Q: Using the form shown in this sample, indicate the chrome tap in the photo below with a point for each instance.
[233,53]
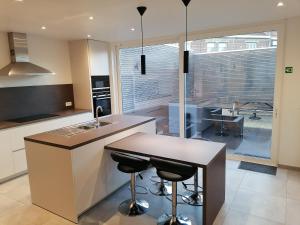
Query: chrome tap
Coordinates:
[97,114]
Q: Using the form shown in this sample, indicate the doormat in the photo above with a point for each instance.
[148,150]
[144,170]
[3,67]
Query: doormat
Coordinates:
[271,170]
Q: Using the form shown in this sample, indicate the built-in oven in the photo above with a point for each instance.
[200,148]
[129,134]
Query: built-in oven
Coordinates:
[101,95]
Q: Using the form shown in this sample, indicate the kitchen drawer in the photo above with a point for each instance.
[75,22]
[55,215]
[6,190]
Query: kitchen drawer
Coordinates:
[19,160]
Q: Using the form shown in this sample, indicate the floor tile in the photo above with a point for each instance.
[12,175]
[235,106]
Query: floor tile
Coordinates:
[20,193]
[232,164]
[7,205]
[239,218]
[16,183]
[27,215]
[234,178]
[253,203]
[264,184]
[292,212]
[293,190]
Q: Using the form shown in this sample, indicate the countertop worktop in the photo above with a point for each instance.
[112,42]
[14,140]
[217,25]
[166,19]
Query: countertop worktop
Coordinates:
[118,123]
[8,124]
[191,151]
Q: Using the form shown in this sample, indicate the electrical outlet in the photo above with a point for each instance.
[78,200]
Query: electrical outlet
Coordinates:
[68,104]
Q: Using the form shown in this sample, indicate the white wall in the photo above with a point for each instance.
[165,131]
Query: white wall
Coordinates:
[289,136]
[52,54]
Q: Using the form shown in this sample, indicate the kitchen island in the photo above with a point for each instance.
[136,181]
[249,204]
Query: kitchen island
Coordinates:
[69,170]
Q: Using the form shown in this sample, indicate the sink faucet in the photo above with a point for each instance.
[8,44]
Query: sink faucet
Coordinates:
[97,114]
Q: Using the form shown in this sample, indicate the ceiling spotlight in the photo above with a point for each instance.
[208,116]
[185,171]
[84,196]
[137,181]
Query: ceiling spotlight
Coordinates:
[91,18]
[89,35]
[43,28]
[132,29]
[280,4]
[19,0]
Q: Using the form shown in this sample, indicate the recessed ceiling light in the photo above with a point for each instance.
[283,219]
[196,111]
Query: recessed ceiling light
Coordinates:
[43,28]
[280,4]
[91,18]
[132,29]
[19,0]
[89,35]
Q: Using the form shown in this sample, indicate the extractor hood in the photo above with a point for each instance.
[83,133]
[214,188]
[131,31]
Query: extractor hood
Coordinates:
[20,63]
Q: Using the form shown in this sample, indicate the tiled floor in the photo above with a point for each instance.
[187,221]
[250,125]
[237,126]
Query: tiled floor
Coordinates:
[251,199]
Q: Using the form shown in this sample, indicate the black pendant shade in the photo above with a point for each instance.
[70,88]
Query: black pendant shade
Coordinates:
[186,62]
[186,2]
[143,64]
[186,52]
[142,10]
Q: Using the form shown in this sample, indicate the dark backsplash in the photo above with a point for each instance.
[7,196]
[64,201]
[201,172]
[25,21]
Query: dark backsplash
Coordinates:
[16,102]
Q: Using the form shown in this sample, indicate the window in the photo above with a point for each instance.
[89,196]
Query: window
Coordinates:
[274,43]
[156,93]
[251,45]
[222,47]
[211,47]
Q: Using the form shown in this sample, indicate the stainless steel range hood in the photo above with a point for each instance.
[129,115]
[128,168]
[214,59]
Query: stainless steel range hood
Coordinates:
[20,63]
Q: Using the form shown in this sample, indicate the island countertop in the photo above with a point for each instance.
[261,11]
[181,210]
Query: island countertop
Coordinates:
[117,123]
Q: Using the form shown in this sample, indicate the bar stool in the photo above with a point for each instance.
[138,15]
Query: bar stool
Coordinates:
[175,172]
[132,165]
[194,197]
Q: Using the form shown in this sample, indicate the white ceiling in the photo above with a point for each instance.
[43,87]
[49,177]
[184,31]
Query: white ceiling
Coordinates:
[69,19]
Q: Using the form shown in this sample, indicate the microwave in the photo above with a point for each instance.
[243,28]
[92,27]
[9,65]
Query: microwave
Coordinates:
[100,82]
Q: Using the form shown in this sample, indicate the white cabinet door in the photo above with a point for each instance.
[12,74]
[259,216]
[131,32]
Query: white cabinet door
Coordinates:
[19,161]
[17,138]
[99,58]
[6,163]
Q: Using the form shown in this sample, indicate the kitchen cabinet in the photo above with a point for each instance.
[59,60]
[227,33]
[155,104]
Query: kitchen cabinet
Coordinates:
[6,161]
[98,58]
[12,147]
[88,58]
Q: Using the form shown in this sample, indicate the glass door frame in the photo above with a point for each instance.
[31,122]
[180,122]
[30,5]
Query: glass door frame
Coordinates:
[278,26]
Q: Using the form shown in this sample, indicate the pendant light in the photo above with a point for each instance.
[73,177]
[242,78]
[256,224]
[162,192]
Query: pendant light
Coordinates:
[142,10]
[186,52]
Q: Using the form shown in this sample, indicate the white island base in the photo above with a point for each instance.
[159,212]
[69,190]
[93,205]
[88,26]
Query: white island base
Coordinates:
[69,182]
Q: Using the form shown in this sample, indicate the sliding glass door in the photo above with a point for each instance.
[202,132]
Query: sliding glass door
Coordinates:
[156,93]
[227,96]
[229,92]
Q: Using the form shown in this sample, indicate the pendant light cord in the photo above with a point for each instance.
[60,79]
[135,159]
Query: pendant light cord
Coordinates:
[142,35]
[186,27]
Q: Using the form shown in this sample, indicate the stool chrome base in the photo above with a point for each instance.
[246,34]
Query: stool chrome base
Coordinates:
[130,208]
[193,198]
[169,220]
[161,189]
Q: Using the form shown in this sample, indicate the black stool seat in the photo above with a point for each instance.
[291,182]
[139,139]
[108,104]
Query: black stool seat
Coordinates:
[173,171]
[129,164]
[172,176]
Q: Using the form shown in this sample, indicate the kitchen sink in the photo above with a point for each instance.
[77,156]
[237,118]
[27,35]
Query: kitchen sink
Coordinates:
[92,125]
[78,129]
